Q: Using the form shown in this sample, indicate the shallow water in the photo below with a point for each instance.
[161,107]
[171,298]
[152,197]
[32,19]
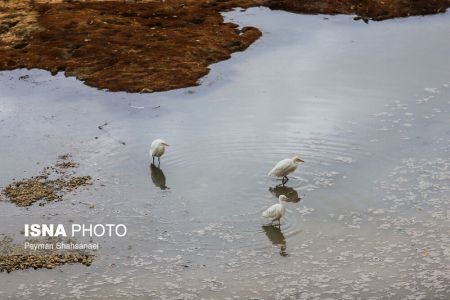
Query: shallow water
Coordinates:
[367,108]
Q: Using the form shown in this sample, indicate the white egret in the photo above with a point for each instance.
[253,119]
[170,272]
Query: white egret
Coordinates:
[157,149]
[276,211]
[285,167]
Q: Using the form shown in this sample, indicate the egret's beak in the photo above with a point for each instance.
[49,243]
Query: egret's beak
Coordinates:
[301,160]
[164,144]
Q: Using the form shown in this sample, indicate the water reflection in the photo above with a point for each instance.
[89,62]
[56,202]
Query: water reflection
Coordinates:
[158,177]
[276,237]
[289,192]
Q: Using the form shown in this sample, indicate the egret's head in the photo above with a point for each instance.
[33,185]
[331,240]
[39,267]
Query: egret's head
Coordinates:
[164,144]
[283,198]
[297,160]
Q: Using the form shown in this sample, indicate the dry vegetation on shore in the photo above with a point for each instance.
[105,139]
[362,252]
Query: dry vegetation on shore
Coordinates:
[145,46]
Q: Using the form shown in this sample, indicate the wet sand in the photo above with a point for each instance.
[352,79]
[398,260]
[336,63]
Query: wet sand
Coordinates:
[146,46]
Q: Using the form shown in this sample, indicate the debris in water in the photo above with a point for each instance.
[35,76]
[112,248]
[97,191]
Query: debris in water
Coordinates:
[103,125]
[18,257]
[50,185]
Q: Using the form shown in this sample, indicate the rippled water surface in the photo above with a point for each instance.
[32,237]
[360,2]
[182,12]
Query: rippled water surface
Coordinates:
[366,107]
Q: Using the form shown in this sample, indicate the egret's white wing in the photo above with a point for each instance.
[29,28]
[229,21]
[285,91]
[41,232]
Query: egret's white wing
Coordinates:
[282,168]
[152,148]
[155,144]
[272,212]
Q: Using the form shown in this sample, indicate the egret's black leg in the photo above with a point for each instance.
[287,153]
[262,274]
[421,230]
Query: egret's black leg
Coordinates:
[281,184]
[159,161]
[153,159]
[285,180]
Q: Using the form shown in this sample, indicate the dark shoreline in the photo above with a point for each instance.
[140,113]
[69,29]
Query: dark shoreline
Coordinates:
[140,46]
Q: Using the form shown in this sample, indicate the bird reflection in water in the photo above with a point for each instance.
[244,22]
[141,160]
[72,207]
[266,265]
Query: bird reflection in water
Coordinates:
[158,177]
[276,237]
[289,192]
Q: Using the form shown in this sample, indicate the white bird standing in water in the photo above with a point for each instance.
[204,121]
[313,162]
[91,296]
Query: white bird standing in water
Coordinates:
[285,167]
[157,149]
[276,211]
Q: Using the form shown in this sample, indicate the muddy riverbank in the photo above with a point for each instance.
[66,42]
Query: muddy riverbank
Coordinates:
[145,46]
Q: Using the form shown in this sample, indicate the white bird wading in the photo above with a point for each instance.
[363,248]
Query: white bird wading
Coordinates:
[285,167]
[276,211]
[157,149]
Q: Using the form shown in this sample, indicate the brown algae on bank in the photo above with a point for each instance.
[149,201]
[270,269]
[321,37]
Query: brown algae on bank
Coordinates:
[150,46]
[16,257]
[51,185]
